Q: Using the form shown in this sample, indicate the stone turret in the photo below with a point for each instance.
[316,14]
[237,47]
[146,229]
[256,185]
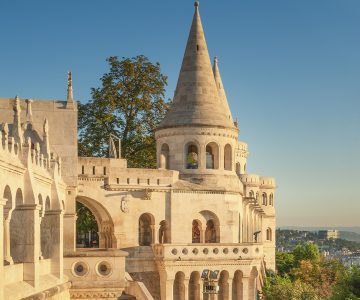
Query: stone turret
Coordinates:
[197,136]
[70,102]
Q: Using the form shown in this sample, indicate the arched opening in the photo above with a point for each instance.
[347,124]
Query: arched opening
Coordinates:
[192,156]
[228,157]
[210,232]
[179,286]
[237,285]
[164,232]
[45,229]
[223,286]
[194,286]
[197,235]
[212,156]
[253,283]
[212,227]
[17,232]
[238,168]
[146,229]
[269,234]
[7,211]
[271,200]
[95,227]
[264,199]
[251,194]
[164,157]
[86,227]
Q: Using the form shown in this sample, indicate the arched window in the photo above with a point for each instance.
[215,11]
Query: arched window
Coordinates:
[210,232]
[264,199]
[251,194]
[164,232]
[238,168]
[269,234]
[196,231]
[164,156]
[271,200]
[146,230]
[212,156]
[192,157]
[228,158]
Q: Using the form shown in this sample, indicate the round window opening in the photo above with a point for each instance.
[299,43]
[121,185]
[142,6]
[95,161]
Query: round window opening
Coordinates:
[80,269]
[104,268]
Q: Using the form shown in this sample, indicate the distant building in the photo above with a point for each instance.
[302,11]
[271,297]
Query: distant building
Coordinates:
[328,234]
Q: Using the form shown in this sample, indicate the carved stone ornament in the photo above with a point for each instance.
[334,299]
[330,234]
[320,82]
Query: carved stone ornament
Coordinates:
[147,194]
[124,205]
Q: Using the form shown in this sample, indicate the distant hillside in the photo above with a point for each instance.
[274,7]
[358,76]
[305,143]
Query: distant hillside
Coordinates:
[346,233]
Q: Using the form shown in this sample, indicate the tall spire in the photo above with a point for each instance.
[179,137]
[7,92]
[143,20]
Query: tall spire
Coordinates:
[16,130]
[220,88]
[70,96]
[196,101]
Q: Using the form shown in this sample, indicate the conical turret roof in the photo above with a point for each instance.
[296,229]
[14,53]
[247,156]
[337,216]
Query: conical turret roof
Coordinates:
[220,87]
[197,101]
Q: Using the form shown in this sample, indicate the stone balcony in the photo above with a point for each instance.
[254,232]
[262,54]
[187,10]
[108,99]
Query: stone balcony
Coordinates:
[218,251]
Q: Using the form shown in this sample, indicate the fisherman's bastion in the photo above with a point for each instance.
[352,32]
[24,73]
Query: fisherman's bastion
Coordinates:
[197,227]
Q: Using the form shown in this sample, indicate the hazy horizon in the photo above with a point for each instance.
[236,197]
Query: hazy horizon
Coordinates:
[291,70]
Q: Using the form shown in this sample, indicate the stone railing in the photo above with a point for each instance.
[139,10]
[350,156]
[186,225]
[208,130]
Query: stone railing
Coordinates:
[208,251]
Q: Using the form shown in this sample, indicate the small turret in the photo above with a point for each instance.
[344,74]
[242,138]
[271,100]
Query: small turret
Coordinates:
[16,129]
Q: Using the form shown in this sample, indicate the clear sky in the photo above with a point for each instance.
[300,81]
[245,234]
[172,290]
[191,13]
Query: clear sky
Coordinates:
[291,70]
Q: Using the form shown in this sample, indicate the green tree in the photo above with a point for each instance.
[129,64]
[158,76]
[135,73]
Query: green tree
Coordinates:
[309,251]
[129,104]
[284,262]
[348,287]
[85,221]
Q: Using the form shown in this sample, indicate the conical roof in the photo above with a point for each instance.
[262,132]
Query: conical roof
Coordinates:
[220,87]
[196,101]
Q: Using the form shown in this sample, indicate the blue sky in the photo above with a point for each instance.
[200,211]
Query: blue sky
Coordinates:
[291,70]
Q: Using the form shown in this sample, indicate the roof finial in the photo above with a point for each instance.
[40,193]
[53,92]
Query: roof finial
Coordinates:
[196,4]
[216,60]
[70,96]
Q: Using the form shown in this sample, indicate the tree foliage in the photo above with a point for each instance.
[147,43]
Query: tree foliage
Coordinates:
[348,287]
[129,104]
[305,274]
[85,221]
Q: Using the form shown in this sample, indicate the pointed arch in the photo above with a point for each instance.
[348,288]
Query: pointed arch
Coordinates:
[228,157]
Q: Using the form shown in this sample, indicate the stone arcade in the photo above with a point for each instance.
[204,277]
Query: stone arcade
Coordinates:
[158,228]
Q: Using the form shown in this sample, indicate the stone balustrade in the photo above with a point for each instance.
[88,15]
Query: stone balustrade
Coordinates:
[208,251]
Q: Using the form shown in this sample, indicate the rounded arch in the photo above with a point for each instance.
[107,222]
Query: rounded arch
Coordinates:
[42,207]
[7,195]
[194,286]
[264,199]
[212,155]
[238,168]
[253,283]
[212,231]
[146,229]
[164,232]
[104,222]
[251,194]
[179,286]
[224,285]
[268,234]
[165,156]
[237,286]
[228,157]
[47,203]
[19,199]
[197,235]
[192,155]
[271,199]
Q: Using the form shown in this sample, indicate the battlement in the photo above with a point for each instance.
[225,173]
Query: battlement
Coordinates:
[267,182]
[250,179]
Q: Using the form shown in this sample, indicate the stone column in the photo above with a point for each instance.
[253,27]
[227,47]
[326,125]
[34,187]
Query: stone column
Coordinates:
[26,233]
[2,204]
[54,247]
[6,238]
[69,232]
[186,288]
[201,289]
[230,282]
